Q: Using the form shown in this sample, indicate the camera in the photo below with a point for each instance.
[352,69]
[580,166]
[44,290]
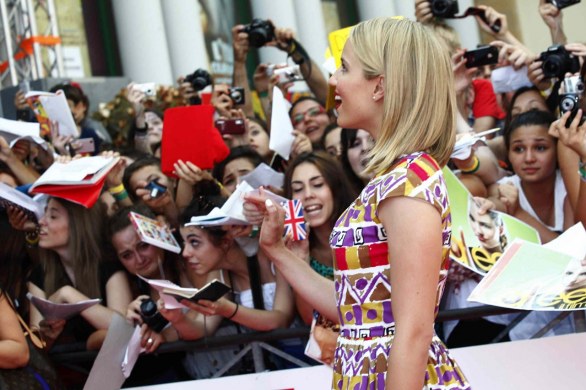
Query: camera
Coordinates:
[559,4]
[156,190]
[444,8]
[288,74]
[482,55]
[237,95]
[149,89]
[571,99]
[151,316]
[557,61]
[199,79]
[231,126]
[260,32]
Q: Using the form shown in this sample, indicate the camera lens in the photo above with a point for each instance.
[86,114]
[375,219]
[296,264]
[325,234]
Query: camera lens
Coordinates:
[148,308]
[551,66]
[439,7]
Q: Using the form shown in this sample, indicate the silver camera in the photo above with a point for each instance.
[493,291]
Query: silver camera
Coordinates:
[149,89]
[288,74]
[571,99]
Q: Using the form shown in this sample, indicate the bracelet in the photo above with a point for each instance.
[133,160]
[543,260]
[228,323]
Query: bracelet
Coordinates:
[32,238]
[473,168]
[582,170]
[117,190]
[233,314]
[120,195]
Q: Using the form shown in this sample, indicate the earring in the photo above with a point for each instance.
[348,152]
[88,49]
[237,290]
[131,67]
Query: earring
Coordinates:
[373,97]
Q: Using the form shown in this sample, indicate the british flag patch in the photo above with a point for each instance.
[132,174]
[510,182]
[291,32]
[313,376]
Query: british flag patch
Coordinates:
[294,221]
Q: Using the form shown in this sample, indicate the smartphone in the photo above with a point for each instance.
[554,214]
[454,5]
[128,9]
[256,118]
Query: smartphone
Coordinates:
[149,89]
[484,55]
[24,86]
[231,126]
[156,189]
[85,145]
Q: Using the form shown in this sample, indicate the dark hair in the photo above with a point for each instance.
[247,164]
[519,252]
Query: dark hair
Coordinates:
[329,128]
[135,166]
[529,118]
[342,192]
[260,122]
[302,99]
[72,92]
[15,262]
[202,205]
[120,221]
[348,136]
[236,153]
[519,92]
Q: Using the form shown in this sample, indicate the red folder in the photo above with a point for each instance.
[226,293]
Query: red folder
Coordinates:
[189,135]
[85,195]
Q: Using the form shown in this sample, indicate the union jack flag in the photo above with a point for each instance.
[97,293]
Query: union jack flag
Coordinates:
[294,221]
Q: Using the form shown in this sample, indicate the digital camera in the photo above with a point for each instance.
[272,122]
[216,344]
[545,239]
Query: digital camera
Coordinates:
[444,8]
[288,74]
[571,99]
[260,32]
[237,95]
[559,4]
[557,61]
[156,189]
[149,89]
[199,79]
[151,316]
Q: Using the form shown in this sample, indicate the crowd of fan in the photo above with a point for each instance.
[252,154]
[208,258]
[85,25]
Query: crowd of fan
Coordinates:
[527,170]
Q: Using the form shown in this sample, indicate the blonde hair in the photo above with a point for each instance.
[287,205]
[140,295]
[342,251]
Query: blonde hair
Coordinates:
[419,96]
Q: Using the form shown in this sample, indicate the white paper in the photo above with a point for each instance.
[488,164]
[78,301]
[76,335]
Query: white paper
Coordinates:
[74,171]
[60,311]
[463,148]
[330,65]
[159,284]
[572,242]
[106,373]
[263,175]
[18,198]
[133,350]
[282,138]
[18,129]
[57,109]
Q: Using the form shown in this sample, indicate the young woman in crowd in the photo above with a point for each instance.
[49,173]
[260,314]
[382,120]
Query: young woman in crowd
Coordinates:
[356,146]
[74,268]
[393,74]
[331,141]
[241,161]
[309,117]
[536,193]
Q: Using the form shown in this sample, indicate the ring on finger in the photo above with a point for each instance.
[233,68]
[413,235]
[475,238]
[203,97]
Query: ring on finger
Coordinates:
[150,340]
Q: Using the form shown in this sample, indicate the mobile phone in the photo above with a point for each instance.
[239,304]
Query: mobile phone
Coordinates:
[85,145]
[559,4]
[483,55]
[156,189]
[149,89]
[231,126]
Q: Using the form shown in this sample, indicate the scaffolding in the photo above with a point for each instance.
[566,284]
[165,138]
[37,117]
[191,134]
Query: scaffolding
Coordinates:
[25,53]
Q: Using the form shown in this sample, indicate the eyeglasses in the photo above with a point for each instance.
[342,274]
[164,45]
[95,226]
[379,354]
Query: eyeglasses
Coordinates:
[312,113]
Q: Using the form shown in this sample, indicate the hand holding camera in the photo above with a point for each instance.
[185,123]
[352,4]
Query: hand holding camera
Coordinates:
[240,43]
[556,61]
[571,98]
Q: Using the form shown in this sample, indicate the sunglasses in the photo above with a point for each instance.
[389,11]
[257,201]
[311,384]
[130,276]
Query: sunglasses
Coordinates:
[312,113]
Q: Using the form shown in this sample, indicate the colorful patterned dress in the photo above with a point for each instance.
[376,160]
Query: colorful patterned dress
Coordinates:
[362,280]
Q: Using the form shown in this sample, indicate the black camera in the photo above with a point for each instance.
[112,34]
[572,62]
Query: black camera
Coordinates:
[559,4]
[151,316]
[199,79]
[571,99]
[557,61]
[156,189]
[237,95]
[260,32]
[444,8]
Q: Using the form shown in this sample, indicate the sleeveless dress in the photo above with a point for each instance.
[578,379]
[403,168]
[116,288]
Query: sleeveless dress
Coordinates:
[362,280]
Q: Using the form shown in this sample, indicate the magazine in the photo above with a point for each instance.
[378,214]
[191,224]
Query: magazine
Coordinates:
[212,291]
[13,131]
[48,107]
[154,232]
[12,197]
[78,181]
[530,276]
[479,240]
[60,311]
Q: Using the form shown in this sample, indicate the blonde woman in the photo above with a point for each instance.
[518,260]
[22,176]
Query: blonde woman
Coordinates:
[396,83]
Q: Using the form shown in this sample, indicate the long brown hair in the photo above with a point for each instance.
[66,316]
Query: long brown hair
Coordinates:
[86,238]
[342,191]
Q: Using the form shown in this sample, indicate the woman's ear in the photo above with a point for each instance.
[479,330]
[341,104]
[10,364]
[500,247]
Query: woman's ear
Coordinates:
[379,89]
